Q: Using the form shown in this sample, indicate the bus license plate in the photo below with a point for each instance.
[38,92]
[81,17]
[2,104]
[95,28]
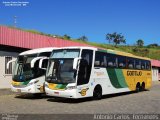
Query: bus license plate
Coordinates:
[18,90]
[57,93]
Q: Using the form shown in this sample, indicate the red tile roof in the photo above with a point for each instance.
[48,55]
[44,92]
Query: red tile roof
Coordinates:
[23,39]
[155,63]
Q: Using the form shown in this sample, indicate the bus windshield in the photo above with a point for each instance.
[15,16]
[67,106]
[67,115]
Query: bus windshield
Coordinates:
[60,67]
[23,71]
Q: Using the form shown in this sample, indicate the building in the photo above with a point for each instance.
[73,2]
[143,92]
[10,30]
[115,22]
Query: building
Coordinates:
[155,70]
[13,41]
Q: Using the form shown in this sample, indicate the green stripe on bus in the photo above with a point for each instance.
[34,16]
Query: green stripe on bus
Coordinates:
[113,77]
[26,82]
[121,78]
[58,86]
[63,86]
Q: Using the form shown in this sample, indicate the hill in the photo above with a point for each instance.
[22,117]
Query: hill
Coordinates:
[145,51]
[152,52]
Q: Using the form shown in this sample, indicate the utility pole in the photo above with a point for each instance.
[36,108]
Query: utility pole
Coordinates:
[15,21]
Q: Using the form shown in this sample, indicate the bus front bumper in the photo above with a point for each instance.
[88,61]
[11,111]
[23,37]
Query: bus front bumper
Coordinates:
[61,93]
[27,89]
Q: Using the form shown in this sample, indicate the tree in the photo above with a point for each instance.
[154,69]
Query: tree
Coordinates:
[115,38]
[140,42]
[66,37]
[83,38]
[153,45]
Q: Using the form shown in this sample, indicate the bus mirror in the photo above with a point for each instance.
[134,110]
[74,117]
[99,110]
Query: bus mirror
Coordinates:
[75,62]
[34,61]
[43,63]
[10,62]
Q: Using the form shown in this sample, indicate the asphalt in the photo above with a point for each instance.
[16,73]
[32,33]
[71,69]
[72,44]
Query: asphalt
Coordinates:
[27,107]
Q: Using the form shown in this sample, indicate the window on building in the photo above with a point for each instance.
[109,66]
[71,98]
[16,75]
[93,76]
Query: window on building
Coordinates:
[8,71]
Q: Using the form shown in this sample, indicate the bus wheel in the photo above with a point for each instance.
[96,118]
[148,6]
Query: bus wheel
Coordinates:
[97,93]
[143,86]
[138,87]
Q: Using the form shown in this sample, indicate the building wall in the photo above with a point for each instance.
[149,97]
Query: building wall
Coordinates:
[155,74]
[5,79]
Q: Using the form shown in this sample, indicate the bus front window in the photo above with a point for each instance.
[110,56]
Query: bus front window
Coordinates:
[23,70]
[60,68]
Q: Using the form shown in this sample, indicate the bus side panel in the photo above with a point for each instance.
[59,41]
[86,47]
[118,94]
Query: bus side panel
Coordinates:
[135,76]
[101,77]
[114,81]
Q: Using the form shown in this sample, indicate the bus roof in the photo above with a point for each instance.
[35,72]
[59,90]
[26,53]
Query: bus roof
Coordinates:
[78,47]
[123,53]
[107,51]
[38,50]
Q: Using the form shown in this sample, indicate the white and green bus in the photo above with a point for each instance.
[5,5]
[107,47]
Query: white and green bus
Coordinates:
[78,72]
[28,77]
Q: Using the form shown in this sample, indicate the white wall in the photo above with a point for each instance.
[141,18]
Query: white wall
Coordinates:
[5,79]
[155,76]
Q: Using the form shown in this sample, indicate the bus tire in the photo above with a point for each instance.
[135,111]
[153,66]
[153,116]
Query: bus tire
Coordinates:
[97,93]
[143,87]
[138,87]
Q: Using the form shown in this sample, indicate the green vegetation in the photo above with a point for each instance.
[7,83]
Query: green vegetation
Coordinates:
[83,38]
[151,51]
[140,42]
[116,38]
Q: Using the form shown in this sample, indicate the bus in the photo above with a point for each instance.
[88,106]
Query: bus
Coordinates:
[78,72]
[28,77]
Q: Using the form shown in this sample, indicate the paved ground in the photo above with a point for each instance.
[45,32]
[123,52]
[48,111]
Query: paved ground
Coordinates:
[143,102]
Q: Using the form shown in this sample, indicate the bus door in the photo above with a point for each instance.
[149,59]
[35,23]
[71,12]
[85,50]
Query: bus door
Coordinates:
[85,67]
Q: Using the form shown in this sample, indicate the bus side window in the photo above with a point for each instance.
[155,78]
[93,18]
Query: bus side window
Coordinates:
[110,64]
[138,64]
[148,65]
[121,61]
[100,59]
[105,61]
[130,63]
[111,60]
[97,63]
[143,64]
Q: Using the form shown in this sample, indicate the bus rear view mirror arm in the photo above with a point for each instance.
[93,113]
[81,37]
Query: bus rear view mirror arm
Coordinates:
[10,62]
[34,61]
[41,63]
[75,63]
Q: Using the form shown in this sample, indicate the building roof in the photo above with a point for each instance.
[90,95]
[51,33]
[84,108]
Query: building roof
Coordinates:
[155,63]
[22,39]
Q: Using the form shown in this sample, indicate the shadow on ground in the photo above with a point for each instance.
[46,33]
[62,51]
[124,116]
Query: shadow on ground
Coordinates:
[32,96]
[89,99]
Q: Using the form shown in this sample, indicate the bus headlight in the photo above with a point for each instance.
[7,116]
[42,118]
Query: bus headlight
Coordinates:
[31,83]
[70,87]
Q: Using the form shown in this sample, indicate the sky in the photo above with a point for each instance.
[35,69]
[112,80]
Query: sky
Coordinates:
[135,19]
